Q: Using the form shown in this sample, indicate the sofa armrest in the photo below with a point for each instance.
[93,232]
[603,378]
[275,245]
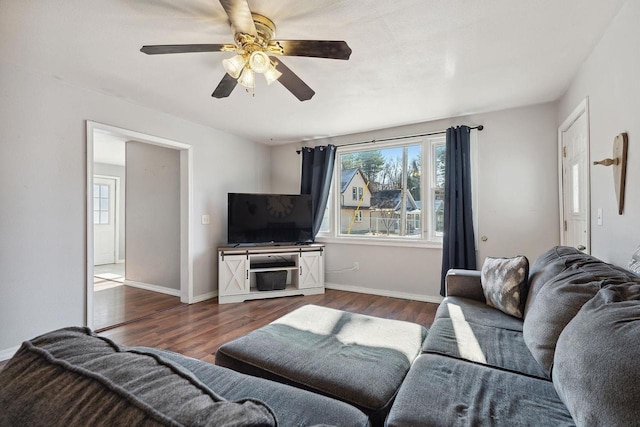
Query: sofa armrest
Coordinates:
[464,283]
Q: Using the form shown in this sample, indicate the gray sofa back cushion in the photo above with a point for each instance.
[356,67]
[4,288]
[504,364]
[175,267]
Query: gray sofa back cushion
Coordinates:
[597,361]
[71,377]
[560,299]
[556,304]
[547,266]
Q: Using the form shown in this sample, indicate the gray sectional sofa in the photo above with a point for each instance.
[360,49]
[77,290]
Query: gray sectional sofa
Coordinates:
[574,359]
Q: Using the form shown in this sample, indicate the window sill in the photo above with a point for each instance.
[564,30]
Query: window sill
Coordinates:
[423,244]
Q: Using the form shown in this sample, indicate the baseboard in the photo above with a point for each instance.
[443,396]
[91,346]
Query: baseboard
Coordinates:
[154,288]
[204,297]
[8,353]
[384,293]
[120,261]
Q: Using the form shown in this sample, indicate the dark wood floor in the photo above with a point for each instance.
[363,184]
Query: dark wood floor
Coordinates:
[198,330]
[122,304]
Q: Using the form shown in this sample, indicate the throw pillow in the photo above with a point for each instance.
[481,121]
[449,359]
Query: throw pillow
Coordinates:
[634,264]
[505,283]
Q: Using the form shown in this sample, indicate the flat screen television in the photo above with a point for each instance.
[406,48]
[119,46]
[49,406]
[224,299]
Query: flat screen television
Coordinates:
[269,218]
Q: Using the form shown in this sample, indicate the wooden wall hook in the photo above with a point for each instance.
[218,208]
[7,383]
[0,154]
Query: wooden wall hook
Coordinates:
[619,163]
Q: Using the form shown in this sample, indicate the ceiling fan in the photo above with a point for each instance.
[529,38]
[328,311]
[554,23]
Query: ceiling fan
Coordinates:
[257,51]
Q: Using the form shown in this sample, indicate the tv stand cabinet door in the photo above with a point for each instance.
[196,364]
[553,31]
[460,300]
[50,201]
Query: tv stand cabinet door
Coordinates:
[311,270]
[233,275]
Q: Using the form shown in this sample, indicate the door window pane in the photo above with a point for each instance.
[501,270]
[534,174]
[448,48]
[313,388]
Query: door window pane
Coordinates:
[100,204]
[575,173]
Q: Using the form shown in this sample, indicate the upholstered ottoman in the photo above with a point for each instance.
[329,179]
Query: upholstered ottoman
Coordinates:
[361,360]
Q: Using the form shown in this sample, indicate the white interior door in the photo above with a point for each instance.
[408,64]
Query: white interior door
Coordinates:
[575,184]
[104,227]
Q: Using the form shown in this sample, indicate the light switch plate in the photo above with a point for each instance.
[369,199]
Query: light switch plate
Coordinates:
[599,218]
[205,220]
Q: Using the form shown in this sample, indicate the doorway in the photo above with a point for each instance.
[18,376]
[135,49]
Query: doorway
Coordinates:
[105,249]
[574,177]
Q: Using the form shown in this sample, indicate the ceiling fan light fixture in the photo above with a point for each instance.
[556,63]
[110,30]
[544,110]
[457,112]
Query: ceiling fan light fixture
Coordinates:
[271,75]
[233,66]
[247,78]
[259,61]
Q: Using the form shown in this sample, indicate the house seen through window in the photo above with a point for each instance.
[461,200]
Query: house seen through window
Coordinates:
[392,191]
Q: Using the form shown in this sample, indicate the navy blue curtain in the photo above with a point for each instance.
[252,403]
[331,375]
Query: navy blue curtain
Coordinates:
[317,170]
[458,247]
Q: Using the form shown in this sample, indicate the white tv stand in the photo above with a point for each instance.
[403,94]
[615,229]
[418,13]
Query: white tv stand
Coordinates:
[237,268]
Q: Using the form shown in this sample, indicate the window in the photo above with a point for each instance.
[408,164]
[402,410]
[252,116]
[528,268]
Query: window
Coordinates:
[439,153]
[100,204]
[399,188]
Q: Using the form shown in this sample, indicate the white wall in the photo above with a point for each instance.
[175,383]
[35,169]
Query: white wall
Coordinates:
[43,202]
[518,202]
[610,78]
[153,215]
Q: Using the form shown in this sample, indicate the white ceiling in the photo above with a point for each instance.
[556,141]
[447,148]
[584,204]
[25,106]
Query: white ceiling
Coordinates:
[412,60]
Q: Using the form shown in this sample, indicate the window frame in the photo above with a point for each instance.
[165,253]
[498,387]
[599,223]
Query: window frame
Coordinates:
[434,143]
[428,237]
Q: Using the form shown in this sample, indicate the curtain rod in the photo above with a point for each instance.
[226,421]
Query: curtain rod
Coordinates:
[373,141]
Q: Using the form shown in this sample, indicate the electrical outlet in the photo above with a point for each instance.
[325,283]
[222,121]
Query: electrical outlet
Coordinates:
[206,220]
[356,266]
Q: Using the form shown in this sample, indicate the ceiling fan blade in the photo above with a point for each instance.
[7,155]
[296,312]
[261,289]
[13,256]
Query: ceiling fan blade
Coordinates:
[315,48]
[293,83]
[240,16]
[182,48]
[225,87]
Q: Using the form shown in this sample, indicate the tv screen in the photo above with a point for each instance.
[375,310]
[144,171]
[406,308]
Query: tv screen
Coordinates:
[269,218]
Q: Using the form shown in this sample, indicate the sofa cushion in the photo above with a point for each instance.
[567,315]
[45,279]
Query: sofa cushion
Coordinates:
[72,377]
[505,283]
[358,359]
[547,266]
[441,391]
[487,345]
[555,261]
[560,299]
[292,406]
[476,312]
[597,361]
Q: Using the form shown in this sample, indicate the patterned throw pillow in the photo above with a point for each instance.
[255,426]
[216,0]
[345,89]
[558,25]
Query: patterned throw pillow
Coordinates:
[505,283]
[634,264]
